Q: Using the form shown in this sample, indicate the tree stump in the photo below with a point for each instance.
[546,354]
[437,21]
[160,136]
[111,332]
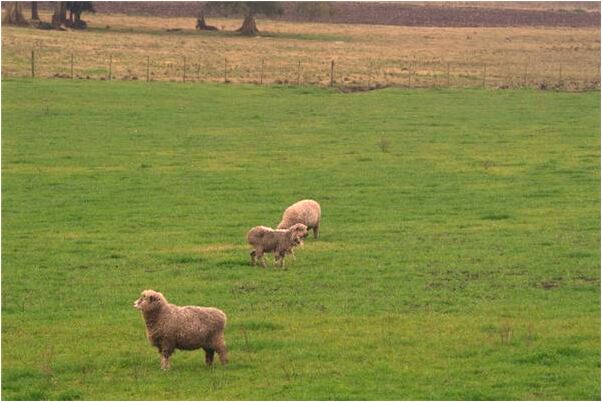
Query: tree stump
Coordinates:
[249,28]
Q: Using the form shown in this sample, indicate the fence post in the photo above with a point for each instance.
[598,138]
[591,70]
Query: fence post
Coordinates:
[299,74]
[198,71]
[370,74]
[332,73]
[525,76]
[147,68]
[448,74]
[484,74]
[33,65]
[560,74]
[71,65]
[110,66]
[433,73]
[225,70]
[410,74]
[261,75]
[184,70]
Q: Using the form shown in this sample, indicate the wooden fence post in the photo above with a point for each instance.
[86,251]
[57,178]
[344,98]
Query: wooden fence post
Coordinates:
[299,74]
[560,74]
[147,68]
[332,73]
[370,74]
[448,74]
[71,65]
[484,74]
[110,66]
[410,74]
[525,76]
[434,75]
[225,70]
[261,74]
[33,65]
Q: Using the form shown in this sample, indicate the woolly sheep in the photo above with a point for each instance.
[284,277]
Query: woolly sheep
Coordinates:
[279,241]
[170,327]
[306,212]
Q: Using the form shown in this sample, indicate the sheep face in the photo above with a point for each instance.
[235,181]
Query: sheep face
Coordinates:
[298,231]
[149,300]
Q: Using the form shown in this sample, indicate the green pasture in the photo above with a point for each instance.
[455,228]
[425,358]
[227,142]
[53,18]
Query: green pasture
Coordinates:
[459,255]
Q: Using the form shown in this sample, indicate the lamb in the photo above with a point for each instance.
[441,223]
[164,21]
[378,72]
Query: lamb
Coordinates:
[170,327]
[306,212]
[280,242]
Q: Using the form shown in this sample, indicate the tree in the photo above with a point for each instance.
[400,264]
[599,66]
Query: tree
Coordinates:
[13,14]
[34,11]
[201,24]
[249,9]
[76,8]
[59,17]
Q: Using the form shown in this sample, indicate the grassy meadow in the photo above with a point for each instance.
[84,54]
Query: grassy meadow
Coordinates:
[459,255]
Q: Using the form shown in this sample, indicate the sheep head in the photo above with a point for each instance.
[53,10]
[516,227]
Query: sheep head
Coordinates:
[297,232]
[149,300]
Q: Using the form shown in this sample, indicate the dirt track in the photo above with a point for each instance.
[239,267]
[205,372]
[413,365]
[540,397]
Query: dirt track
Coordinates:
[403,14]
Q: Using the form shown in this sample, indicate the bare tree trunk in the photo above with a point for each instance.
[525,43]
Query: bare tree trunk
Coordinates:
[249,27]
[13,14]
[60,14]
[202,25]
[34,11]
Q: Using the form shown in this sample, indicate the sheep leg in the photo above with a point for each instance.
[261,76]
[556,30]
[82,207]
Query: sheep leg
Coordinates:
[222,350]
[280,258]
[316,231]
[165,360]
[257,255]
[209,353]
[261,257]
[223,356]
[166,353]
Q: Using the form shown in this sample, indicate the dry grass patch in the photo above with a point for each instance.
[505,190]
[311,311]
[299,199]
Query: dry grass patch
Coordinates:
[203,249]
[302,52]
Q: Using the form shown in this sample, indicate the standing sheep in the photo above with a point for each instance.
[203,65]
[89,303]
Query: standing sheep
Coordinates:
[279,241]
[306,212]
[169,327]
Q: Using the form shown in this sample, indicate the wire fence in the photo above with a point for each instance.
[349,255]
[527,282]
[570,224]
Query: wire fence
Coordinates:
[406,71]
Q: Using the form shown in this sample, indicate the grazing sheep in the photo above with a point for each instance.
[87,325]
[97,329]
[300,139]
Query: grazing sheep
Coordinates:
[306,212]
[169,327]
[279,241]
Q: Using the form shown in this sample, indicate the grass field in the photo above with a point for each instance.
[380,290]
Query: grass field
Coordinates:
[568,58]
[459,255]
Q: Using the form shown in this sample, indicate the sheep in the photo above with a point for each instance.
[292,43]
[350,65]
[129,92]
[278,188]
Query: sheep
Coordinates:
[279,241]
[170,327]
[306,212]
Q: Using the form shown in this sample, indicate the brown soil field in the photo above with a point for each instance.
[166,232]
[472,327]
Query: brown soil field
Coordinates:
[438,14]
[301,53]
